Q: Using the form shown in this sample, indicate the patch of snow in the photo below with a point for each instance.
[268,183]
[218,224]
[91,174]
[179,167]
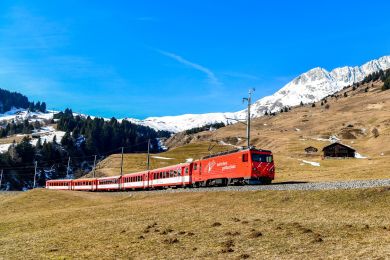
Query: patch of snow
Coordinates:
[161,158]
[161,145]
[317,164]
[4,147]
[297,129]
[189,160]
[224,143]
[359,156]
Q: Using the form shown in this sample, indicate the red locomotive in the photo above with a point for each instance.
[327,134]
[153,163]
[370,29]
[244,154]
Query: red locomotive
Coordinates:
[241,166]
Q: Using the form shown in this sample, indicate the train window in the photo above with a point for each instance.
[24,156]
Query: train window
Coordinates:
[186,170]
[195,166]
[245,157]
[262,158]
[179,172]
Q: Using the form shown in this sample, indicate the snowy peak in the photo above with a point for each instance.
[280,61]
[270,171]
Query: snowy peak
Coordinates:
[315,74]
[316,84]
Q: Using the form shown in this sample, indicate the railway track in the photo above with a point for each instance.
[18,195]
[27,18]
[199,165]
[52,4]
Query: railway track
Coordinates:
[356,184]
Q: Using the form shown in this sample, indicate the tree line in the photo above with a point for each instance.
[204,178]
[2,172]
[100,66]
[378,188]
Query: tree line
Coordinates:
[9,99]
[99,136]
[205,128]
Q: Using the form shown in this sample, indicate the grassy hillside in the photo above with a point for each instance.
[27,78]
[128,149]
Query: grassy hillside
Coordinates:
[351,118]
[269,224]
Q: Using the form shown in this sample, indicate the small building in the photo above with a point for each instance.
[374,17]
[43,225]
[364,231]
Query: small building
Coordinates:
[311,150]
[339,151]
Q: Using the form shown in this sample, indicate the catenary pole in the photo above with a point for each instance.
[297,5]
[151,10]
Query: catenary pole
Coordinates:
[94,167]
[67,168]
[1,177]
[248,122]
[35,174]
[148,158]
[122,163]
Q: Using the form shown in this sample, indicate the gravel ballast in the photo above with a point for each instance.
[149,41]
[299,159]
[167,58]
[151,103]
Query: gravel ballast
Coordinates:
[357,184]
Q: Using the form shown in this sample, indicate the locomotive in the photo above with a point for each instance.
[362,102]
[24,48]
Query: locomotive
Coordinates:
[235,167]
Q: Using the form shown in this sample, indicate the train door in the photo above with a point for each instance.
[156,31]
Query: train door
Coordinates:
[181,173]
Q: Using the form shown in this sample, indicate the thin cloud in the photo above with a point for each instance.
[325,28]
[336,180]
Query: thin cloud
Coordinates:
[210,75]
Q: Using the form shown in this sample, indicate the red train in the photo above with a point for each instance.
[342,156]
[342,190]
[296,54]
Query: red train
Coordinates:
[242,166]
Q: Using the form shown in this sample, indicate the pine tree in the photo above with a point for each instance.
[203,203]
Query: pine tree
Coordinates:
[301,104]
[386,84]
[43,107]
[37,106]
[313,105]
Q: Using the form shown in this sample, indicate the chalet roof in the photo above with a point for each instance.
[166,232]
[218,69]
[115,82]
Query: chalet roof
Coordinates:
[334,144]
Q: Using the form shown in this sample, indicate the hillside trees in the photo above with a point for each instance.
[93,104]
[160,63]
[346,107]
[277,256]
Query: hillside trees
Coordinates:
[205,128]
[386,84]
[102,136]
[9,99]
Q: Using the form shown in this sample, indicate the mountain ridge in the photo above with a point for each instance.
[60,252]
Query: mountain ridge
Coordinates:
[308,87]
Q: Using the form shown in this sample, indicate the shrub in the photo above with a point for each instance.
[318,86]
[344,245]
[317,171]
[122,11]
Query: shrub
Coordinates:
[375,132]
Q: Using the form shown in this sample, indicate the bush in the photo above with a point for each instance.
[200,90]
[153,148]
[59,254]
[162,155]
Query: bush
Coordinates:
[375,132]
[327,106]
[386,85]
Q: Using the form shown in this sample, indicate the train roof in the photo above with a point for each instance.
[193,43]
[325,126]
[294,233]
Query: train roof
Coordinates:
[58,180]
[109,177]
[171,166]
[235,151]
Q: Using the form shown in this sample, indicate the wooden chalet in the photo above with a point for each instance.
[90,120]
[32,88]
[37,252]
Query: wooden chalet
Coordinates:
[337,150]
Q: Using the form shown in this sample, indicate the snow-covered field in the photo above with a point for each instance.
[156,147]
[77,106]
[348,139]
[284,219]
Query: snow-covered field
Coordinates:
[317,164]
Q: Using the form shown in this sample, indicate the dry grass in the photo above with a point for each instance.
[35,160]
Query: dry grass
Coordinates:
[278,224]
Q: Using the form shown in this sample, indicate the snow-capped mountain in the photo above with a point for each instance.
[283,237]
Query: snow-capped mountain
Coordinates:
[308,87]
[316,84]
[183,122]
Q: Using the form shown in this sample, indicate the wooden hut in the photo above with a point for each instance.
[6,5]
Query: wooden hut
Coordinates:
[311,150]
[339,151]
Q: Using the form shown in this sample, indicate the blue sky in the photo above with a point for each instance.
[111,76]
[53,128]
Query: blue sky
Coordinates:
[155,58]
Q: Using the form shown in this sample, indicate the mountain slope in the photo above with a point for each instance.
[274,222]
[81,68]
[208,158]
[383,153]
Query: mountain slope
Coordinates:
[309,87]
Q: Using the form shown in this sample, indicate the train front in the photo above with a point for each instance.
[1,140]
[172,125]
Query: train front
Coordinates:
[263,167]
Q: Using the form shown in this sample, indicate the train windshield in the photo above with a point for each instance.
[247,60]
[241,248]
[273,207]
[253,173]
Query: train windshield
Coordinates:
[262,158]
